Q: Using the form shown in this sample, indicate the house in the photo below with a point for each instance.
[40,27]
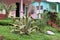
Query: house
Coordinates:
[22,6]
[45,5]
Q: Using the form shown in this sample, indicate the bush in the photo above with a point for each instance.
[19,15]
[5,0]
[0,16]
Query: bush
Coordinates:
[58,19]
[41,24]
[5,22]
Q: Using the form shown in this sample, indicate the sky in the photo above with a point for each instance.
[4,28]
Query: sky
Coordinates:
[54,0]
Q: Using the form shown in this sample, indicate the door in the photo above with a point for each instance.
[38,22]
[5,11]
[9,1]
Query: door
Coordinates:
[17,9]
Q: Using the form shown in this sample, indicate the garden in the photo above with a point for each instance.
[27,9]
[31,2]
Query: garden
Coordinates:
[17,29]
[46,28]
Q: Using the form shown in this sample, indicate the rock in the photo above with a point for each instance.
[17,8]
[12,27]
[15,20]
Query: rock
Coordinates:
[50,32]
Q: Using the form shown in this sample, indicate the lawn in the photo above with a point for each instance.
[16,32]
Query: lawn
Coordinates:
[5,31]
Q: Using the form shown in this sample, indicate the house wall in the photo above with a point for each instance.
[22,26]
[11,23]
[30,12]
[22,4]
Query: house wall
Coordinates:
[47,5]
[44,4]
[8,3]
[53,7]
[57,8]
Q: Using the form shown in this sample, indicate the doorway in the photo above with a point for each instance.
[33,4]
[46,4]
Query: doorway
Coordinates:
[17,9]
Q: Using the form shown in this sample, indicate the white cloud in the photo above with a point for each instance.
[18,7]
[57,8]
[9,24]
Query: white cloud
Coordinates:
[53,0]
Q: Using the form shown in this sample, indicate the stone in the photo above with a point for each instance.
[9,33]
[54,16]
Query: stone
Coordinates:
[50,32]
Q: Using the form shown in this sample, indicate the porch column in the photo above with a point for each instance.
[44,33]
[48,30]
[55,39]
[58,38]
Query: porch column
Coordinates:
[57,8]
[39,15]
[39,11]
[21,9]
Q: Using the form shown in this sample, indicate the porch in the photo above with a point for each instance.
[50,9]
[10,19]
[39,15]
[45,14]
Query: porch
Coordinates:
[54,7]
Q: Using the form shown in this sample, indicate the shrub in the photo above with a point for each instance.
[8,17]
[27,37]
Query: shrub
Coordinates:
[5,22]
[41,24]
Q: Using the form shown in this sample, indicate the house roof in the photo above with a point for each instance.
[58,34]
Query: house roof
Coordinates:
[52,2]
[14,1]
[25,1]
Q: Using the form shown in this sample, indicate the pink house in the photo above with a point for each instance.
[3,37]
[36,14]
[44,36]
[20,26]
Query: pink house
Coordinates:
[22,7]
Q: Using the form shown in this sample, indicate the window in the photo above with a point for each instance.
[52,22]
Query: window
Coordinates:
[41,7]
[37,7]
[53,6]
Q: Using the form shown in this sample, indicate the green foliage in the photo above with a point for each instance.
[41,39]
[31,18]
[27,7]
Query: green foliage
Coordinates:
[2,6]
[41,24]
[58,16]
[12,7]
[5,22]
[5,31]
[45,16]
[58,19]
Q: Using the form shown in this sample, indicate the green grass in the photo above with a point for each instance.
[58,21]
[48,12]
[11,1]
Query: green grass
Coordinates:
[5,31]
